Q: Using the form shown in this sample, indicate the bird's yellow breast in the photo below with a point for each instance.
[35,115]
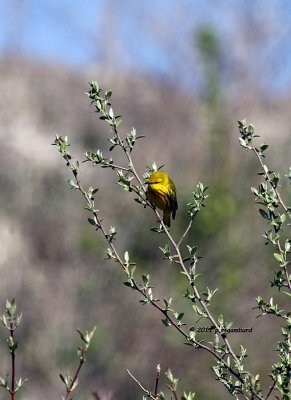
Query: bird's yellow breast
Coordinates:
[158,194]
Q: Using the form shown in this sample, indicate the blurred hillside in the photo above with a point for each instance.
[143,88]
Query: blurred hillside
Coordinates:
[52,261]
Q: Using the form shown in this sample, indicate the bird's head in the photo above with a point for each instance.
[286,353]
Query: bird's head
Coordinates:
[158,177]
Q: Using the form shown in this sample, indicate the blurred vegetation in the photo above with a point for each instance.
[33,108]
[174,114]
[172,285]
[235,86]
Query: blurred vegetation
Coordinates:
[53,263]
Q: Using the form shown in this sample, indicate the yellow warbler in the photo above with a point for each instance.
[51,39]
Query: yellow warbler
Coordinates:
[162,193]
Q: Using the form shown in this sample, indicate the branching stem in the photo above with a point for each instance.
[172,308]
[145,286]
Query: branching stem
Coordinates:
[136,287]
[281,202]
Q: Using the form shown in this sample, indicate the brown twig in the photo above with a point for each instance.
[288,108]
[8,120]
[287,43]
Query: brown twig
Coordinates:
[12,389]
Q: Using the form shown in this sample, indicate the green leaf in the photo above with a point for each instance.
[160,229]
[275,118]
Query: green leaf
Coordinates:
[166,322]
[255,191]
[167,303]
[263,146]
[126,257]
[242,142]
[73,184]
[283,218]
[264,214]
[180,316]
[145,279]
[287,245]
[278,257]
[63,379]
[108,94]
[111,114]
[251,129]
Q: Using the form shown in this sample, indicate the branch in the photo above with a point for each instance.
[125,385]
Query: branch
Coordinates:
[281,202]
[148,392]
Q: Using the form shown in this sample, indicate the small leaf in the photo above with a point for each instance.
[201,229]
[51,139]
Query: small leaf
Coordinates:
[126,257]
[111,115]
[242,142]
[180,316]
[278,257]
[263,147]
[63,378]
[263,213]
[73,184]
[166,322]
[145,279]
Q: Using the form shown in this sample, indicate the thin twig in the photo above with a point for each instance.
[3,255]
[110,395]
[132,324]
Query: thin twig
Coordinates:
[148,392]
[186,232]
[70,387]
[175,394]
[12,390]
[157,382]
[271,389]
[107,165]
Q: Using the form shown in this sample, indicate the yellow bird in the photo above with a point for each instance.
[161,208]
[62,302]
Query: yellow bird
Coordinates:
[161,192]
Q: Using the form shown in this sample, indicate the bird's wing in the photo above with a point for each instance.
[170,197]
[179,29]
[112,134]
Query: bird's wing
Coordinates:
[173,203]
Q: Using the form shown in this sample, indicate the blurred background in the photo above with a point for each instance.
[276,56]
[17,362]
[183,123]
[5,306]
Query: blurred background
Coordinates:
[182,73]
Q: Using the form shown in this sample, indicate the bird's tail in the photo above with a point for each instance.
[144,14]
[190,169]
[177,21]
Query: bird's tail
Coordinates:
[167,218]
